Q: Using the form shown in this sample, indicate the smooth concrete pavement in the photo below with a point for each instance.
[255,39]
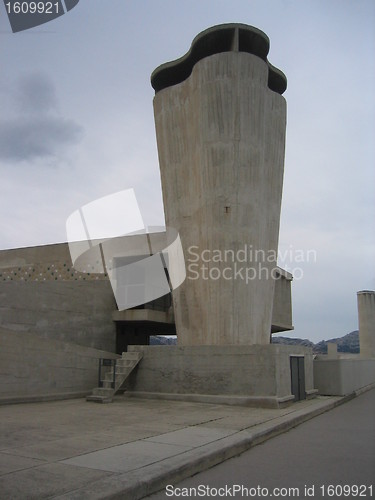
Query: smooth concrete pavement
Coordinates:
[130,448]
[336,448]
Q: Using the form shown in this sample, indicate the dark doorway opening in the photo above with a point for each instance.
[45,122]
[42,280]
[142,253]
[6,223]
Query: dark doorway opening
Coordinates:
[128,334]
[139,332]
[297,374]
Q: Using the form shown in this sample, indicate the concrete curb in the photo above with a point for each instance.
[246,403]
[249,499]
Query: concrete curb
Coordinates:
[137,484]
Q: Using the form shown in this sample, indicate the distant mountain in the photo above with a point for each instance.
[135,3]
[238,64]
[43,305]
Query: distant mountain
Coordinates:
[347,343]
[160,340]
[289,341]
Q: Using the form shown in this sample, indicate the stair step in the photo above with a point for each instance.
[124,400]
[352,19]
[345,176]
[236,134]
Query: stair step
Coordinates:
[99,399]
[130,360]
[107,385]
[127,364]
[119,376]
[103,391]
[120,370]
[131,355]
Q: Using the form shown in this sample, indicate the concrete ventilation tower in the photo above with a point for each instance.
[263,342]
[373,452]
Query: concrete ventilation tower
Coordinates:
[366,320]
[220,125]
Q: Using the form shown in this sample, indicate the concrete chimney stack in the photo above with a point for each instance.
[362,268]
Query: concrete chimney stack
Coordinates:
[366,321]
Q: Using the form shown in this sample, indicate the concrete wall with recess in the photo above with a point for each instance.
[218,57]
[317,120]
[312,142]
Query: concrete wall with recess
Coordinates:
[339,377]
[221,140]
[258,372]
[366,321]
[32,368]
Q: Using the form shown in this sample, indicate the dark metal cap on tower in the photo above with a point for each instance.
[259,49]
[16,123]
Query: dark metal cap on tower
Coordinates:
[232,37]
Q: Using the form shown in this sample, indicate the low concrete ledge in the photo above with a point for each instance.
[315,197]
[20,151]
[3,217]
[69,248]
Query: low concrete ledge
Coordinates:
[251,401]
[40,398]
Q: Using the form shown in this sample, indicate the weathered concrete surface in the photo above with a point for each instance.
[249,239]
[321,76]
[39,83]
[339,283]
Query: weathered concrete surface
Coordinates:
[221,140]
[33,368]
[253,375]
[366,320]
[343,375]
[129,449]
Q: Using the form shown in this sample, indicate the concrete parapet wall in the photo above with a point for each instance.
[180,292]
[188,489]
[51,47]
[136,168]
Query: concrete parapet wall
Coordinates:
[33,368]
[259,373]
[77,312]
[42,263]
[339,377]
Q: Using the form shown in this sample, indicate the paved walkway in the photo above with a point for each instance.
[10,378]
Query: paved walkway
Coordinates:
[130,448]
[318,457]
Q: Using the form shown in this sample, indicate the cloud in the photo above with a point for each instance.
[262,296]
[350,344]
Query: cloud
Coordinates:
[29,139]
[35,93]
[36,129]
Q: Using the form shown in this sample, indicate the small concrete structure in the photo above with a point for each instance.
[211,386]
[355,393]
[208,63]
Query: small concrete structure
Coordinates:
[254,375]
[332,349]
[341,374]
[366,321]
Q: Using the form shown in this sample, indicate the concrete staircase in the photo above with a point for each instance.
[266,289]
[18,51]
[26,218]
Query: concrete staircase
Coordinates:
[124,366]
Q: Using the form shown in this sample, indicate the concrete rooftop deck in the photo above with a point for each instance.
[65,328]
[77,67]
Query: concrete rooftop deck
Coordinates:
[128,449]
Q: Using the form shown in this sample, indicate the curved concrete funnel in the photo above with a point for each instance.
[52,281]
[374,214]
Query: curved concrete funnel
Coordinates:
[220,125]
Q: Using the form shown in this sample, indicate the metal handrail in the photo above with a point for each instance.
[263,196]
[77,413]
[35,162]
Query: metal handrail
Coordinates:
[107,362]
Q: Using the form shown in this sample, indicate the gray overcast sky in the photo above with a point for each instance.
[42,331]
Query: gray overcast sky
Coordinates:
[76,124]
